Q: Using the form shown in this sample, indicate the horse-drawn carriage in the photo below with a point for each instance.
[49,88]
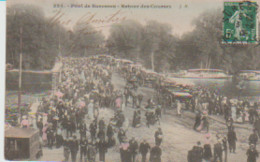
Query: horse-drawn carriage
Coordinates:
[176,91]
[152,117]
[132,82]
[150,78]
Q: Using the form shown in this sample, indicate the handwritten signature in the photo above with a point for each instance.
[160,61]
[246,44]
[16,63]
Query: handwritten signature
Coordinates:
[89,18]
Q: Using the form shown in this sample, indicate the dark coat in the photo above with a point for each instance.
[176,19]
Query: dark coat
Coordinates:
[207,152]
[252,155]
[232,137]
[74,146]
[253,138]
[83,145]
[155,154]
[144,148]
[102,146]
[133,146]
[110,131]
[218,149]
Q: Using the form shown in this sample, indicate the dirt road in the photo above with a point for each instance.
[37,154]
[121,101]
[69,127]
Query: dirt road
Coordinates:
[179,137]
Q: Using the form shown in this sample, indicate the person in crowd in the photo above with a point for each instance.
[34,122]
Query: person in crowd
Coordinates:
[135,119]
[155,154]
[125,153]
[133,146]
[148,118]
[83,148]
[232,138]
[118,102]
[25,122]
[158,135]
[195,154]
[144,149]
[253,113]
[158,112]
[66,149]
[179,108]
[110,131]
[126,94]
[50,136]
[218,151]
[207,154]
[101,124]
[39,125]
[93,130]
[91,152]
[82,129]
[91,110]
[102,149]
[59,138]
[69,128]
[74,147]
[134,99]
[197,120]
[121,134]
[101,134]
[198,152]
[257,126]
[225,149]
[140,99]
[253,138]
[230,122]
[190,155]
[44,134]
[252,154]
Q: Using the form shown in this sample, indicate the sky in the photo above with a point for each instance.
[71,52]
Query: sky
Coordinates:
[178,16]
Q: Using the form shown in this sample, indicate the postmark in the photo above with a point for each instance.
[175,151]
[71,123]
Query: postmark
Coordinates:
[240,24]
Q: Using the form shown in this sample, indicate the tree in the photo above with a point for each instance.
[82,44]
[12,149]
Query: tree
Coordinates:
[130,40]
[39,40]
[124,39]
[85,40]
[158,42]
[203,47]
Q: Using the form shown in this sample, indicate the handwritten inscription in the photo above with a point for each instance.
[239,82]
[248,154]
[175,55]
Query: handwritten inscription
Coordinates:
[88,18]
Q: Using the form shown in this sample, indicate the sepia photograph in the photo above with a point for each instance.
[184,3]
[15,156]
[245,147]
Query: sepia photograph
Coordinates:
[132,81]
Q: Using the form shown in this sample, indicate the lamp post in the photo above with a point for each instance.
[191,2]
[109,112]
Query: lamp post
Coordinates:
[20,75]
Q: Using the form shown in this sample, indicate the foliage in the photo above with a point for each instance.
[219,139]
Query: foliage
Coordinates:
[200,48]
[125,38]
[129,39]
[43,39]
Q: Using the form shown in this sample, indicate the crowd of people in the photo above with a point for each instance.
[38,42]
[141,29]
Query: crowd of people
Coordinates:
[205,102]
[76,121]
[76,116]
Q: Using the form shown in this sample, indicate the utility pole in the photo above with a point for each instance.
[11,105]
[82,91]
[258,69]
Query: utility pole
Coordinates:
[154,48]
[20,75]
[60,58]
[152,60]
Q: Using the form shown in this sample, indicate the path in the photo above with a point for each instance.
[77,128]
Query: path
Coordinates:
[179,137]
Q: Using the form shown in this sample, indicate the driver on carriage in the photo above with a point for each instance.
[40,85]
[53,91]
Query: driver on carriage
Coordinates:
[150,114]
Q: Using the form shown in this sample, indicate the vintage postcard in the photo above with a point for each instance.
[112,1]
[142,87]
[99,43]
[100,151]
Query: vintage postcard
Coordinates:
[132,81]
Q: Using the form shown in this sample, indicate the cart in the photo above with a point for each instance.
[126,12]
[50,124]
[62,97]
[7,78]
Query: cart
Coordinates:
[22,144]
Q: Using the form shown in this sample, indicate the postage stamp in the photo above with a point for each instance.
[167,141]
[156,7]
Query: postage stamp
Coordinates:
[240,22]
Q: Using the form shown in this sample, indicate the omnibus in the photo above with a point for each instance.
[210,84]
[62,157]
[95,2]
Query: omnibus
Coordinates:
[204,74]
[250,75]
